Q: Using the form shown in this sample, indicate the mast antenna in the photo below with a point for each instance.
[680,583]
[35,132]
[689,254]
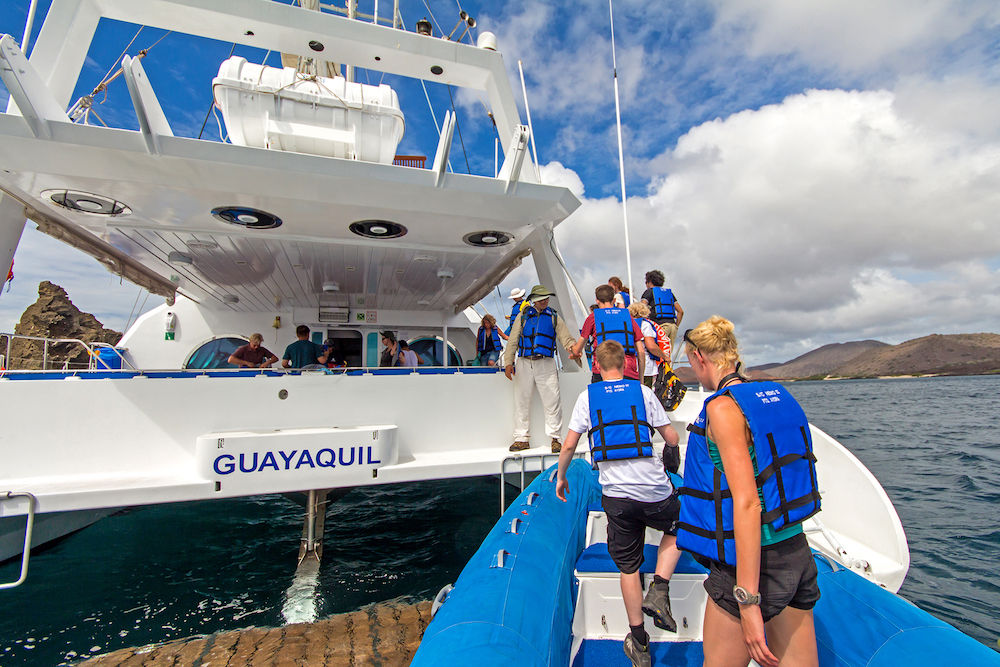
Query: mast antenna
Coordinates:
[621,158]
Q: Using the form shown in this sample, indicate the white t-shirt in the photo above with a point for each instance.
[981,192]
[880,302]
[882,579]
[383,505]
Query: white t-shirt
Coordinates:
[647,330]
[410,358]
[639,479]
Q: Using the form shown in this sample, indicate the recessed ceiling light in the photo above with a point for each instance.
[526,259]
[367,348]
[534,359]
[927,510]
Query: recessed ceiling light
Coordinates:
[87,202]
[202,244]
[241,262]
[488,239]
[424,258]
[176,257]
[331,286]
[377,229]
[423,302]
[230,298]
[247,217]
[350,268]
[445,273]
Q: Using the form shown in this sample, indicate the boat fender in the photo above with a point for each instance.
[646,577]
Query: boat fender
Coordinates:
[441,598]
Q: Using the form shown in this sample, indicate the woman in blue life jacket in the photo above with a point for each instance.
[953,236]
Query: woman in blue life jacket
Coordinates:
[488,345]
[762,577]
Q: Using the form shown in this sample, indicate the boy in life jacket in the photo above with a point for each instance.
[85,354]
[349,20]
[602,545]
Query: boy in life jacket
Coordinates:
[620,415]
[609,323]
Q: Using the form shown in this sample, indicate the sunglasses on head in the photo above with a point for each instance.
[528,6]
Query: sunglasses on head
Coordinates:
[687,339]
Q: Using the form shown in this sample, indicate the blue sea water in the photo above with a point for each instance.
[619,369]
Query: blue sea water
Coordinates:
[170,571]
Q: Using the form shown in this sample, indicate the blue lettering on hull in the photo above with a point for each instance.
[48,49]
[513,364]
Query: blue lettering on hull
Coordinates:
[226,464]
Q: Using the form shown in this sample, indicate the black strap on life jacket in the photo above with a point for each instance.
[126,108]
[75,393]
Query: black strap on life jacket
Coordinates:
[697,430]
[606,333]
[774,469]
[717,495]
[603,447]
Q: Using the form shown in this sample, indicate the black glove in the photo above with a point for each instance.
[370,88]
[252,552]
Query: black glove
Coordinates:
[671,458]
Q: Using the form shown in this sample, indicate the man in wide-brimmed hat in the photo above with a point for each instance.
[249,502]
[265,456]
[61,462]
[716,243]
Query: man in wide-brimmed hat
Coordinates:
[537,329]
[517,296]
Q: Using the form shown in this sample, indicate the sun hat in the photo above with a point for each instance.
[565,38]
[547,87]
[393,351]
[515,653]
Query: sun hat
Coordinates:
[539,292]
[517,293]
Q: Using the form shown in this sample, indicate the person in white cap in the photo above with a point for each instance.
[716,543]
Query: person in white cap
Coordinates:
[517,296]
[537,329]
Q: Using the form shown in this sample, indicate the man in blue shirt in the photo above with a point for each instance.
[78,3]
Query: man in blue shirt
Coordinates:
[302,352]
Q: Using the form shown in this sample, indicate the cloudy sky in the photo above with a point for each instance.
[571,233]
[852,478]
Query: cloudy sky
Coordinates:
[817,172]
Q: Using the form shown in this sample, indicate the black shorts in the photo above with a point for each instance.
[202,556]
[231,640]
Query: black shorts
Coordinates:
[627,522]
[787,579]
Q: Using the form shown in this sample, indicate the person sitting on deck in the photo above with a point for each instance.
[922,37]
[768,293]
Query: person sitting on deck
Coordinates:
[303,352]
[253,354]
[610,323]
[619,416]
[488,345]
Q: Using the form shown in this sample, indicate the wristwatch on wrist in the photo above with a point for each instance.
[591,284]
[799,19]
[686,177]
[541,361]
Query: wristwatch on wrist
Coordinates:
[745,597]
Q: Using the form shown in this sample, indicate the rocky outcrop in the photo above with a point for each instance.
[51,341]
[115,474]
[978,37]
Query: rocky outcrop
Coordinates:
[55,316]
[387,633]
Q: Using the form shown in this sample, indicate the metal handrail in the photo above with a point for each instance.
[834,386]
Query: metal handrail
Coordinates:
[28,527]
[523,459]
[93,357]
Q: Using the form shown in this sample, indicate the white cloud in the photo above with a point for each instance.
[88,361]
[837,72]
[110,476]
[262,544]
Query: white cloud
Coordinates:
[858,35]
[828,217]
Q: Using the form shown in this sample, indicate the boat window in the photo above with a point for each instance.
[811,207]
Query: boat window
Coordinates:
[214,353]
[430,349]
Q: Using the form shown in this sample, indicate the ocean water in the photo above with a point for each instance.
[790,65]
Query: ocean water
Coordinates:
[164,572]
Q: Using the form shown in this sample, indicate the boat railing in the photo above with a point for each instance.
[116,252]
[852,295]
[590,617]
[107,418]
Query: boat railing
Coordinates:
[94,359]
[523,464]
[131,371]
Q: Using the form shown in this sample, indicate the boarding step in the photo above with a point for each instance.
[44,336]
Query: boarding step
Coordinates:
[600,612]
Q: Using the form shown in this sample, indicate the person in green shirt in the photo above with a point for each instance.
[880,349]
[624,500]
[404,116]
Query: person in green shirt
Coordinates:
[303,352]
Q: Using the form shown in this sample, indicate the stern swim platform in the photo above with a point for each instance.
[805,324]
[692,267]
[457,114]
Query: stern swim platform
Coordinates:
[143,437]
[515,610]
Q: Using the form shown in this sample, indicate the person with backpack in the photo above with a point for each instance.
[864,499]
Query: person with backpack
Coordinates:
[663,306]
[654,355]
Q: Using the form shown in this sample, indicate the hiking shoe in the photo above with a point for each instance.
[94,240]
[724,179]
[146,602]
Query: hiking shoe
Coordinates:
[656,604]
[636,652]
[519,445]
[556,446]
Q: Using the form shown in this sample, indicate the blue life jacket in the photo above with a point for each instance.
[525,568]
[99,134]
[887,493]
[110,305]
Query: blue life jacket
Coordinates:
[783,458]
[662,307]
[481,339]
[538,333]
[618,426]
[514,310]
[626,298]
[614,324]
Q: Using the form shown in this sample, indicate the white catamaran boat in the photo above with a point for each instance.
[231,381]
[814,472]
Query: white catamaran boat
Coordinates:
[308,216]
